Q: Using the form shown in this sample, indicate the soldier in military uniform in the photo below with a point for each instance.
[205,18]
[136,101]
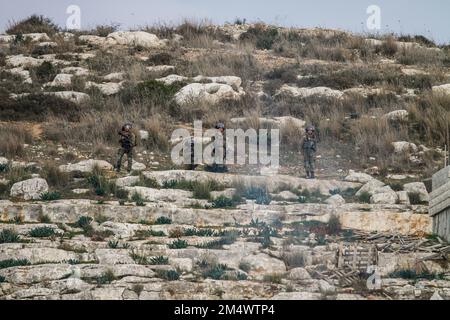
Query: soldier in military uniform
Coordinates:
[127,142]
[309,147]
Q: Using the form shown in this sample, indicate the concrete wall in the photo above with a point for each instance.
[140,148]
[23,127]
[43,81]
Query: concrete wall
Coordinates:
[440,203]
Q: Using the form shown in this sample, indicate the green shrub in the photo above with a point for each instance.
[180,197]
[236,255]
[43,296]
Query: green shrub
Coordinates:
[33,24]
[84,222]
[4,167]
[414,275]
[150,90]
[215,272]
[45,72]
[260,195]
[14,263]
[178,184]
[163,220]
[263,36]
[334,225]
[43,218]
[113,244]
[106,278]
[414,198]
[149,233]
[169,275]
[42,232]
[202,191]
[160,260]
[50,196]
[273,278]
[2,279]
[101,184]
[9,236]
[223,202]
[364,197]
[178,244]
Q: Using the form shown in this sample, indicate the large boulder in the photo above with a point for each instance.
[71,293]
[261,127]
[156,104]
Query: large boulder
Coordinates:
[370,187]
[360,177]
[299,274]
[417,188]
[75,97]
[160,71]
[108,88]
[61,80]
[397,115]
[335,200]
[153,195]
[172,78]
[276,122]
[295,92]
[404,147]
[31,189]
[233,81]
[262,263]
[136,38]
[209,93]
[25,74]
[384,198]
[442,89]
[23,61]
[86,166]
[77,71]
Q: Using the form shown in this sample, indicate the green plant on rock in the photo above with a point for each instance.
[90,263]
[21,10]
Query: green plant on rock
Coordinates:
[178,244]
[215,272]
[163,220]
[364,197]
[9,236]
[160,260]
[50,196]
[42,232]
[169,275]
[84,222]
[14,263]
[106,278]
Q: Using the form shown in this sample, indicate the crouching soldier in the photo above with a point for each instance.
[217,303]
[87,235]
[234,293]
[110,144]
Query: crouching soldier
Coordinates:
[309,147]
[127,142]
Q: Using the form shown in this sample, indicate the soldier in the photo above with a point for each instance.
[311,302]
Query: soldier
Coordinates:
[220,167]
[128,142]
[309,146]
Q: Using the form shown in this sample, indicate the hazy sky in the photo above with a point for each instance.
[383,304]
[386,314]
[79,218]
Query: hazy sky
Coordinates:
[429,18]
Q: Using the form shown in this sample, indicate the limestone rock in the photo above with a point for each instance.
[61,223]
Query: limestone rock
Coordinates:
[419,188]
[31,189]
[210,93]
[150,194]
[335,200]
[127,181]
[360,177]
[172,78]
[442,89]
[23,61]
[137,38]
[115,76]
[370,187]
[296,92]
[76,97]
[384,197]
[397,115]
[77,71]
[86,166]
[108,89]
[61,80]
[264,264]
[160,71]
[299,274]
[404,147]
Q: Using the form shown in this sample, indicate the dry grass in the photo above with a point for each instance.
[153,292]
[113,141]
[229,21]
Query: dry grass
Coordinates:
[32,24]
[159,132]
[420,56]
[13,138]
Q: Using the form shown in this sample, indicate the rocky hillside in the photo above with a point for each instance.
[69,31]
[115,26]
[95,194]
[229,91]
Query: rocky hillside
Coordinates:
[72,228]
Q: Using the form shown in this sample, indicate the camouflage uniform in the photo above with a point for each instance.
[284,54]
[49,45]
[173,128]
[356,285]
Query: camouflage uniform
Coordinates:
[128,142]
[309,145]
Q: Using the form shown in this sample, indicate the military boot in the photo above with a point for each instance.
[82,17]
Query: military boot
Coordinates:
[312,175]
[307,174]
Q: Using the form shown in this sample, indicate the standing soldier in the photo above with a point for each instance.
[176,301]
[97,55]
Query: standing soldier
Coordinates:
[309,146]
[128,142]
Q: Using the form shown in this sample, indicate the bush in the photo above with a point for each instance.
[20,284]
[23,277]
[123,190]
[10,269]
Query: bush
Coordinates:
[55,177]
[50,196]
[43,218]
[178,244]
[163,220]
[33,24]
[364,197]
[42,232]
[160,260]
[45,72]
[169,275]
[14,263]
[38,107]
[334,225]
[215,272]
[106,278]
[101,184]
[414,198]
[84,222]
[9,236]
[12,141]
[223,202]
[150,90]
[263,36]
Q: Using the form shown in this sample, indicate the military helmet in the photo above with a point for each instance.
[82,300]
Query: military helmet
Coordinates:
[220,125]
[310,128]
[128,126]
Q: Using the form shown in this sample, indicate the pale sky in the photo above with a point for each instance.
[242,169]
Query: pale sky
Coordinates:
[429,18]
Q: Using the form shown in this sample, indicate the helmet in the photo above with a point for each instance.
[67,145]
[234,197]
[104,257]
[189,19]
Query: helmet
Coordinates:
[220,125]
[128,126]
[310,128]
